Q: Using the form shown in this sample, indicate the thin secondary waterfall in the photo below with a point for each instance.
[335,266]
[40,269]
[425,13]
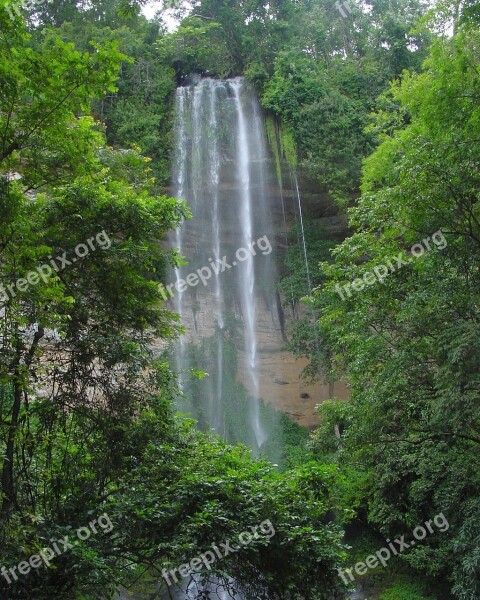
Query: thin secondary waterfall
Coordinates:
[302,229]
[220,171]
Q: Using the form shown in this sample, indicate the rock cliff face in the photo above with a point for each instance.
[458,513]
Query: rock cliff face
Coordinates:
[279,371]
[226,173]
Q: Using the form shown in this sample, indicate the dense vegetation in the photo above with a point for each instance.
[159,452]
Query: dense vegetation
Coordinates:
[379,110]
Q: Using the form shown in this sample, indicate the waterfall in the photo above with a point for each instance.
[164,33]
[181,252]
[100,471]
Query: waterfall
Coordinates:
[302,228]
[246,275]
[220,170]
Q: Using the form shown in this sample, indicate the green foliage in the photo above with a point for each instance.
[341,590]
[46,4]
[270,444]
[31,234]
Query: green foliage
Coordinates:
[44,99]
[288,145]
[320,120]
[75,363]
[304,339]
[336,417]
[408,345]
[282,142]
[201,490]
[294,285]
[139,113]
[170,492]
[197,47]
[271,130]
[405,591]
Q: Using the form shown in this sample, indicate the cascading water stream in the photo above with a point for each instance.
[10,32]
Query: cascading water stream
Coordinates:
[302,229]
[219,170]
[247,274]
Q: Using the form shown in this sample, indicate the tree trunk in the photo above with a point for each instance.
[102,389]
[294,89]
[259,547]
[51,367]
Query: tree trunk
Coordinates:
[8,477]
[8,484]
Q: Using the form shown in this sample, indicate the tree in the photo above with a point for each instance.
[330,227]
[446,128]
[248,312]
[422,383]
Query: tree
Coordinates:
[45,144]
[407,341]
